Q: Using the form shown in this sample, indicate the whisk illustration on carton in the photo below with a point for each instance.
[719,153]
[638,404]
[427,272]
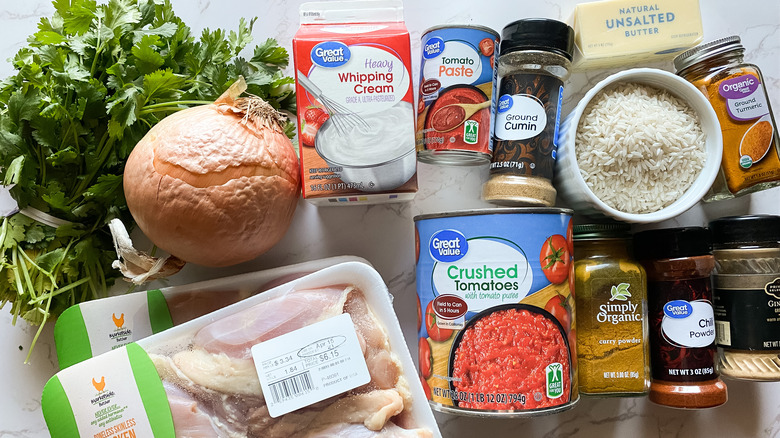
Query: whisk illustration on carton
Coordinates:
[356,106]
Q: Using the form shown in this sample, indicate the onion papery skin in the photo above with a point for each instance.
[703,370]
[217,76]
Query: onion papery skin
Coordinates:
[213,186]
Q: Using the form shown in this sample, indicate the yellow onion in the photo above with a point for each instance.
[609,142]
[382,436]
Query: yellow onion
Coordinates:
[215,185]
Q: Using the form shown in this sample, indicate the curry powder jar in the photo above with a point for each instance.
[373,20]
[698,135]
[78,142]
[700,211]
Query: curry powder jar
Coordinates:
[610,288]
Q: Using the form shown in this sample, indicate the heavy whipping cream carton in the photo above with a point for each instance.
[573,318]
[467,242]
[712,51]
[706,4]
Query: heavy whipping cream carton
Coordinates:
[356,118]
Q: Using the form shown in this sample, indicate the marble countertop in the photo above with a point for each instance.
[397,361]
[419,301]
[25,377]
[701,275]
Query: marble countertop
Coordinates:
[384,234]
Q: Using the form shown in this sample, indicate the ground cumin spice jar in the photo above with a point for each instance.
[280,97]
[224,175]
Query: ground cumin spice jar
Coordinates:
[610,289]
[534,60]
[751,146]
[679,264]
[747,296]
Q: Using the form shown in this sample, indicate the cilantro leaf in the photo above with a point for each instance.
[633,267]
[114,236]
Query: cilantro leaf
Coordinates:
[147,59]
[92,81]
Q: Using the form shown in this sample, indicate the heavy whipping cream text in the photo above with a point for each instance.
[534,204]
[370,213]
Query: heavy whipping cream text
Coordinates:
[366,81]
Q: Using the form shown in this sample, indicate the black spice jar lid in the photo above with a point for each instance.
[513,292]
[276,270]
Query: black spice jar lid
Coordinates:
[538,34]
[746,229]
[672,243]
[602,231]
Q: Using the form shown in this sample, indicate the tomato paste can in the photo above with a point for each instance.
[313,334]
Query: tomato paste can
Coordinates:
[455,95]
[496,311]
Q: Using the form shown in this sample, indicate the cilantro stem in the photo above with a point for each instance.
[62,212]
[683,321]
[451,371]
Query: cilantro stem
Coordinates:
[40,330]
[19,286]
[47,273]
[3,231]
[26,274]
[159,110]
[105,147]
[175,103]
[58,291]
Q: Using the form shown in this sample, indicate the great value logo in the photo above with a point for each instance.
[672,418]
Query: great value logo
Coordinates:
[448,246]
[433,47]
[330,54]
[689,324]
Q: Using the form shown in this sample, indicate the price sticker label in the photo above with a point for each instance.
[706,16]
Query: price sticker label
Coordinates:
[310,364]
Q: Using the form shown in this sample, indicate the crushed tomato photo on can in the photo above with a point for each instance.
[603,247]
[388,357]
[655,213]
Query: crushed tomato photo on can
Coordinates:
[497,315]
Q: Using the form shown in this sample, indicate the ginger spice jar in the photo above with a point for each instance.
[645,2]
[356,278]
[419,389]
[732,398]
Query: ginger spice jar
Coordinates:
[747,296]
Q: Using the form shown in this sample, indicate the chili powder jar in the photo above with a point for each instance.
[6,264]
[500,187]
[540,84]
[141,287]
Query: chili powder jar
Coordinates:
[679,265]
[747,296]
[610,289]
[751,146]
[533,63]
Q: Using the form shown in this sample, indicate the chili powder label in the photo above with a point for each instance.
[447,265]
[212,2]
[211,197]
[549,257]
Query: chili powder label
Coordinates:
[682,330]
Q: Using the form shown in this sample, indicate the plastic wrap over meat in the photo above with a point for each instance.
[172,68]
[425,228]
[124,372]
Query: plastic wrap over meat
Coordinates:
[214,391]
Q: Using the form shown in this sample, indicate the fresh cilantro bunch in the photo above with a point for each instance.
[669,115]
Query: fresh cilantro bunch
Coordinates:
[92,81]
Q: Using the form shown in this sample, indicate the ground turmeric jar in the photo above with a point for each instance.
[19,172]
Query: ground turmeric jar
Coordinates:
[751,147]
[610,288]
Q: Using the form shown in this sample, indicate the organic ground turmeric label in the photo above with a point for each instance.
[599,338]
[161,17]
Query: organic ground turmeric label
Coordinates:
[751,153]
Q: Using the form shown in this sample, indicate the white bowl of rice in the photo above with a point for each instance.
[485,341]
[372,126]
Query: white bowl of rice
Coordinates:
[642,146]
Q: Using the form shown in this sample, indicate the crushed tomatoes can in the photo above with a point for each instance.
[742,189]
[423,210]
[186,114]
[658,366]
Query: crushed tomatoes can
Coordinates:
[455,95]
[497,315]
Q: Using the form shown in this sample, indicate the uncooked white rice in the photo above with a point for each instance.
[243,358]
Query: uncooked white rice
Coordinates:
[639,148]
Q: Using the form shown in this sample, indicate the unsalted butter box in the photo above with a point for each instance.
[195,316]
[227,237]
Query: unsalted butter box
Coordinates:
[612,33]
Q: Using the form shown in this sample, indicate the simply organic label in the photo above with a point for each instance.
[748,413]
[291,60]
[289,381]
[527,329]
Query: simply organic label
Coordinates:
[619,308]
[745,97]
[362,78]
[689,324]
[484,272]
[519,117]
[310,364]
[451,62]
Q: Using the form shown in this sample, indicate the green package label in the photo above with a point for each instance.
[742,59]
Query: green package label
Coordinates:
[117,394]
[99,326]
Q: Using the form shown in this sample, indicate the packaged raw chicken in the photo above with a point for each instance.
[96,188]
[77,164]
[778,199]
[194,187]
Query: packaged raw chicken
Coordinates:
[94,327]
[321,356]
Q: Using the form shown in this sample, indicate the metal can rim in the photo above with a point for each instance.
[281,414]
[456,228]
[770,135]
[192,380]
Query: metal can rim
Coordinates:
[461,26]
[506,210]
